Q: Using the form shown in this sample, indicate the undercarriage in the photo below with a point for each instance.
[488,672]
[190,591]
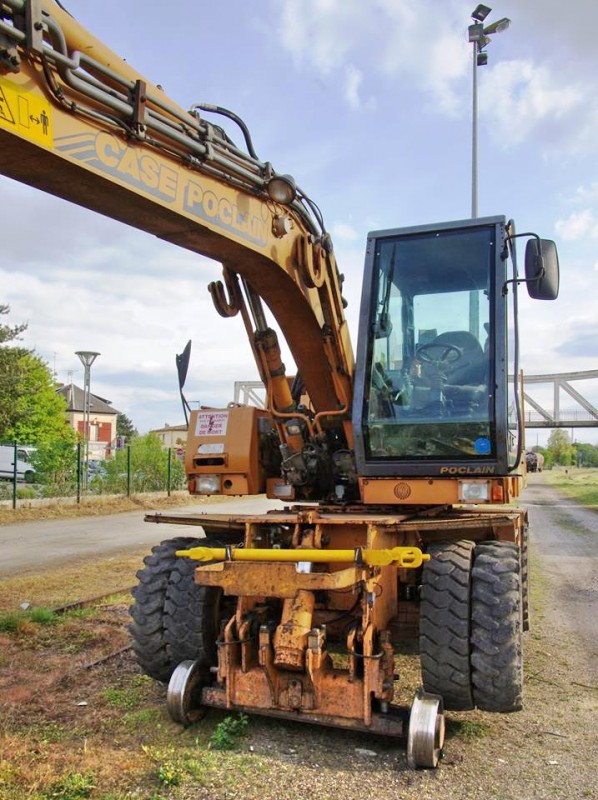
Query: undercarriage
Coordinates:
[298,615]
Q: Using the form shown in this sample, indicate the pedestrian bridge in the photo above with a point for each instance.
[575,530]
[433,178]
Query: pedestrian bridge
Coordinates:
[579,411]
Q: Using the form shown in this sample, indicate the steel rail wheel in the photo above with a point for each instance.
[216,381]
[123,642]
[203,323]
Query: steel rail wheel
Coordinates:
[425,736]
[183,697]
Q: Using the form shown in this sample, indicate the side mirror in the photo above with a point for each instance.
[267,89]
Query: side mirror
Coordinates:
[542,269]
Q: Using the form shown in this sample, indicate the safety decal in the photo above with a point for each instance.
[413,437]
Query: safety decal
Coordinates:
[211,423]
[25,113]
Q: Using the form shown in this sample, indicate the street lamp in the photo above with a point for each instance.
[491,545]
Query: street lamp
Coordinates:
[87,357]
[479,36]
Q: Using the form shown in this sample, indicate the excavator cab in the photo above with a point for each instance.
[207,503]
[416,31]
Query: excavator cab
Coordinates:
[436,347]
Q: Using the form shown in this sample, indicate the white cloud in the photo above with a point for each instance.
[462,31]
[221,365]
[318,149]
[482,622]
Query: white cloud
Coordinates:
[341,230]
[354,79]
[390,38]
[578,226]
[520,97]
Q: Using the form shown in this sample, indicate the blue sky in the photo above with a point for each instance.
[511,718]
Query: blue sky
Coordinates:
[368,105]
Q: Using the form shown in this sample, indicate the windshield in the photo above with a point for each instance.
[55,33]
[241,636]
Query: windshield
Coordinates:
[429,393]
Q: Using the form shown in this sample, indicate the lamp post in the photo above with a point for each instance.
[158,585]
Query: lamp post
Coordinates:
[87,357]
[479,36]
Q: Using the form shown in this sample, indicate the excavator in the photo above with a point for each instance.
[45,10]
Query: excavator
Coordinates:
[395,469]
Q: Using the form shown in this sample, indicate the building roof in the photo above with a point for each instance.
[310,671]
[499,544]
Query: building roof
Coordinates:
[75,398]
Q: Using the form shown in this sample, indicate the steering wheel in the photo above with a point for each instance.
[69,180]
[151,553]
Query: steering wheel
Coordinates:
[447,353]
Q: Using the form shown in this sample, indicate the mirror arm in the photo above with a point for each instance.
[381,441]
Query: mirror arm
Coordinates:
[541,271]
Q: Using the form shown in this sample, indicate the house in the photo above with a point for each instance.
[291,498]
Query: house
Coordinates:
[172,435]
[102,419]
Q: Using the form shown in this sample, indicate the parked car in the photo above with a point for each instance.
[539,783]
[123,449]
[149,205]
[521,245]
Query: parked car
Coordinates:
[25,471]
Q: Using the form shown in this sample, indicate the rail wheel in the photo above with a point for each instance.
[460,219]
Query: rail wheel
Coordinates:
[496,627]
[148,619]
[425,736]
[445,611]
[183,698]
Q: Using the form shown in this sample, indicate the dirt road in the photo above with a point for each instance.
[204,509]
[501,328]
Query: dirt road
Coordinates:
[565,537]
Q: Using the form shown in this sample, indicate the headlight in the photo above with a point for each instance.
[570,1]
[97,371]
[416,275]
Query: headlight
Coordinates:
[207,484]
[474,492]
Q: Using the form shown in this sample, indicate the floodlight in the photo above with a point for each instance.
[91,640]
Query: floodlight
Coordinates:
[481,12]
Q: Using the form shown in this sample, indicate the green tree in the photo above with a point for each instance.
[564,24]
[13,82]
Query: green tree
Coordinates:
[9,332]
[560,448]
[30,410]
[125,428]
[587,454]
[36,414]
[55,464]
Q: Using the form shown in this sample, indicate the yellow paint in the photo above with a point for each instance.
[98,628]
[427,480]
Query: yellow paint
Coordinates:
[25,113]
[404,557]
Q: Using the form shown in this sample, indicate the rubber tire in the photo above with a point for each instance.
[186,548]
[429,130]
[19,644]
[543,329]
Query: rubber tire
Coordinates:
[192,614]
[445,624]
[525,612]
[148,619]
[496,627]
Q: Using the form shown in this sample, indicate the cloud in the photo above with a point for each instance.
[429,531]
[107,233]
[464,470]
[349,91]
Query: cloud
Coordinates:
[521,97]
[579,225]
[343,231]
[390,38]
[580,341]
[354,79]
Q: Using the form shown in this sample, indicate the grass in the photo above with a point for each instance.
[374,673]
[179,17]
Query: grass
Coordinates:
[17,621]
[63,508]
[579,484]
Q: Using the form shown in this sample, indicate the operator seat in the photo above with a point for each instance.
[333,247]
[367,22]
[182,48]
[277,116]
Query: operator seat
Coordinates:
[467,382]
[472,368]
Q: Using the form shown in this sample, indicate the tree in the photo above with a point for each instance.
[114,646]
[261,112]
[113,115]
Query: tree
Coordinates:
[7,332]
[125,428]
[587,454]
[35,413]
[560,448]
[30,410]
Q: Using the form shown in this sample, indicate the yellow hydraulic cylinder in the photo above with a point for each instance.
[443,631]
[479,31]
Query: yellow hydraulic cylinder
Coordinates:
[403,557]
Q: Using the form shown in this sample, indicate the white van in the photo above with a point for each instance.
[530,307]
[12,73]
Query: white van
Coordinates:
[25,471]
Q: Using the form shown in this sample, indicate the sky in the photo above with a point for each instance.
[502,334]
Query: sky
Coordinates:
[368,104]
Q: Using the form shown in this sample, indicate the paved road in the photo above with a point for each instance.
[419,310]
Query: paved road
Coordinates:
[36,544]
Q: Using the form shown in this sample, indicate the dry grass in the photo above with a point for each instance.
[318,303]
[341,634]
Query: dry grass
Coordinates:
[30,510]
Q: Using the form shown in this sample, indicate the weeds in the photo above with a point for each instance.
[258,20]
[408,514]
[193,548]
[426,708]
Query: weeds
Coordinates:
[169,774]
[16,621]
[72,786]
[228,733]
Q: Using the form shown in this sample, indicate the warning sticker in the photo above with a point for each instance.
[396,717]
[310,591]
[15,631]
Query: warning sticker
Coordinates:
[25,113]
[211,423]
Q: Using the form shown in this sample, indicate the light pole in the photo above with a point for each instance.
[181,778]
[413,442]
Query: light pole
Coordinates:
[87,358]
[479,36]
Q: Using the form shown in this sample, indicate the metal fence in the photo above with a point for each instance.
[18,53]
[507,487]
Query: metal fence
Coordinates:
[29,472]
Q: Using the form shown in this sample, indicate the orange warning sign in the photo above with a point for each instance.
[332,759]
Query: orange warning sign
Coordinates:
[25,113]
